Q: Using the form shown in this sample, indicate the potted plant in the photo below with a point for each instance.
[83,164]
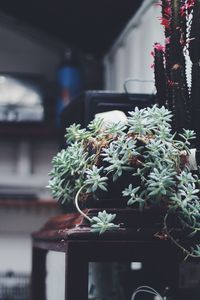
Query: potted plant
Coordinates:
[152,160]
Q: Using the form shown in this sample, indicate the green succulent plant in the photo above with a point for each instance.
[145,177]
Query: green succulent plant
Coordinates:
[144,148]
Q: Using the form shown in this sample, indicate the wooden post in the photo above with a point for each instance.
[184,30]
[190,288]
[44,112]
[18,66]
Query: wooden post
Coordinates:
[38,275]
[76,275]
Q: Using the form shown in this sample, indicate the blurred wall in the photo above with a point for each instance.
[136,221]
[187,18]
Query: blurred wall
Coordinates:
[130,56]
[24,50]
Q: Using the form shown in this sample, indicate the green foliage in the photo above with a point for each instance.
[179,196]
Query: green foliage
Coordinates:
[115,129]
[117,155]
[95,126]
[132,193]
[74,133]
[146,121]
[161,182]
[103,222]
[94,180]
[196,250]
[144,149]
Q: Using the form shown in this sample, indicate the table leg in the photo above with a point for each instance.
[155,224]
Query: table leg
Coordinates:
[76,277]
[38,275]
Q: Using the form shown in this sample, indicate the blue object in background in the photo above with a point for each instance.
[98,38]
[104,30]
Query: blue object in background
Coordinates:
[69,82]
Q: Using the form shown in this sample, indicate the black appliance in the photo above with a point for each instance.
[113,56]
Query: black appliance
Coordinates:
[83,108]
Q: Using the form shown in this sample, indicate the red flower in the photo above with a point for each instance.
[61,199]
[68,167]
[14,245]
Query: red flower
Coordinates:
[152,53]
[167,12]
[165,22]
[159,47]
[186,7]
[165,19]
[167,40]
[170,83]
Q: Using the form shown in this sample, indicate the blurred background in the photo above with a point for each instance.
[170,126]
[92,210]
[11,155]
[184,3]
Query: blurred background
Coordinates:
[51,52]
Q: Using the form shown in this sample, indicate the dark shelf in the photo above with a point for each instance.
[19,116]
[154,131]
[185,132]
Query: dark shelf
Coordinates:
[29,130]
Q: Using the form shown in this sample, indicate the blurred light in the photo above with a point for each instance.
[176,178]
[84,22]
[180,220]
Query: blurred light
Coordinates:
[136,266]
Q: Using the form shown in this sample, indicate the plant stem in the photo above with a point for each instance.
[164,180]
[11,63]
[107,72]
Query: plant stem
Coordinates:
[77,206]
[188,253]
[190,227]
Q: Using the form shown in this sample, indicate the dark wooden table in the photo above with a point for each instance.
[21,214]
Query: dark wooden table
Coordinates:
[133,242]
